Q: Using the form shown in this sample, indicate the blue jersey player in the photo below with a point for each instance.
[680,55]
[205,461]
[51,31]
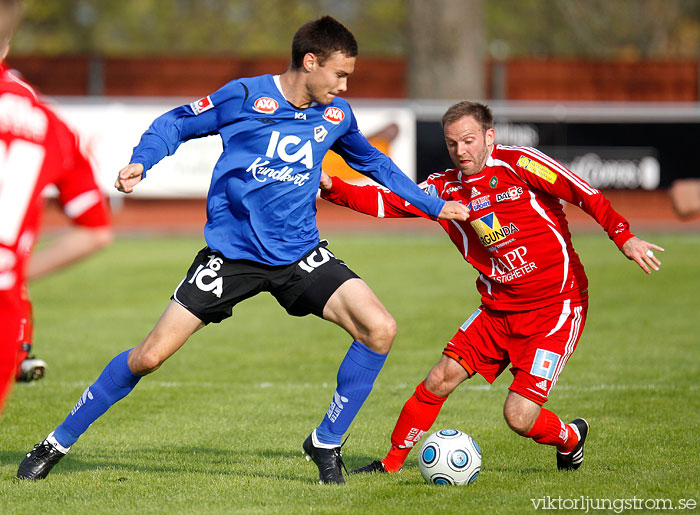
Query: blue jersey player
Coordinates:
[261,232]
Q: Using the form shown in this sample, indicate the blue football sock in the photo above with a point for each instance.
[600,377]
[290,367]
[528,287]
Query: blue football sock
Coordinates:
[115,382]
[356,377]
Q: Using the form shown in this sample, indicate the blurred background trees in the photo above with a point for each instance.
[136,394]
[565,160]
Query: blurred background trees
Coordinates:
[437,48]
[561,28]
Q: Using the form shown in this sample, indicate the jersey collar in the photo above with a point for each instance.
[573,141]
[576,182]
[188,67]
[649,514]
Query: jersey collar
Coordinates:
[278,84]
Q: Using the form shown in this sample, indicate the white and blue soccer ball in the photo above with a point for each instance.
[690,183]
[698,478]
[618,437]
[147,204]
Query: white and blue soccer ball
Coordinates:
[450,457]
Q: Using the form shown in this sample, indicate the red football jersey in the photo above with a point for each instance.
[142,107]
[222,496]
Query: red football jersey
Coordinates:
[517,235]
[37,149]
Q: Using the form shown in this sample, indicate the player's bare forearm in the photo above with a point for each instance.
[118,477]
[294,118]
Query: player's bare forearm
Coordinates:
[642,253]
[128,177]
[453,210]
[69,247]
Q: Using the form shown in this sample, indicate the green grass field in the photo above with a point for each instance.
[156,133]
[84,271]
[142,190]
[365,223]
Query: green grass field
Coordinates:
[219,428]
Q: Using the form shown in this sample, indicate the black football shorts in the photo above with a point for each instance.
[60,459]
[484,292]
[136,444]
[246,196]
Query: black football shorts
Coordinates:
[214,284]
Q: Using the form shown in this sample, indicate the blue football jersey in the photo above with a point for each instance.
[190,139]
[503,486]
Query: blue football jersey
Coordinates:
[261,204]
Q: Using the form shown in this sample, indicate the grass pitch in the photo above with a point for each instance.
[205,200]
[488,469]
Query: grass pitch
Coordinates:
[219,428]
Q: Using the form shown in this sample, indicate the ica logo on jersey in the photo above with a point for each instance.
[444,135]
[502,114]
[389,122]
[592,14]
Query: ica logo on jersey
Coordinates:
[288,149]
[334,115]
[266,105]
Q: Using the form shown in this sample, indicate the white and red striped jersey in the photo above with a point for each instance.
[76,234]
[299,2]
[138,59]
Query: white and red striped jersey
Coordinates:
[517,236]
[37,149]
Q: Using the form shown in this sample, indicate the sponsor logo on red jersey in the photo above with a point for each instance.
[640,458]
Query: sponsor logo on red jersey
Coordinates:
[513,193]
[480,203]
[334,115]
[490,230]
[266,105]
[538,169]
[201,105]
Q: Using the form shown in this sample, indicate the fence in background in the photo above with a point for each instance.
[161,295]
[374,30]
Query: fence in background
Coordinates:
[518,79]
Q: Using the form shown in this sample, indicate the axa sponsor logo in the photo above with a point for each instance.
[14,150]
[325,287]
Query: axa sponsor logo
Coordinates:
[265,105]
[201,105]
[336,407]
[480,203]
[513,193]
[490,230]
[334,115]
[206,277]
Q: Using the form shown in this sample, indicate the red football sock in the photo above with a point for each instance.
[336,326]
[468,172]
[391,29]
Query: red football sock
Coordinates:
[417,415]
[550,430]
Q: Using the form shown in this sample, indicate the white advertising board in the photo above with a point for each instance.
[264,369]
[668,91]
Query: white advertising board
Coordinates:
[109,130]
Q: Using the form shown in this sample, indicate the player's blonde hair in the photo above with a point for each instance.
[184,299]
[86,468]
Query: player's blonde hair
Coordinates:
[10,14]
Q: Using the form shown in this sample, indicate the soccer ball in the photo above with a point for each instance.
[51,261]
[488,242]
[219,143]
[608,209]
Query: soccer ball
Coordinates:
[450,457]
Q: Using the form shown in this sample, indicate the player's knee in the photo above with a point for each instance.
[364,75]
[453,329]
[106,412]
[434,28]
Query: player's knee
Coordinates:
[439,382]
[145,359]
[519,421]
[144,363]
[381,334]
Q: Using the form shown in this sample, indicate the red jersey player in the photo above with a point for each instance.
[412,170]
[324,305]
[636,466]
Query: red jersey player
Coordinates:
[36,150]
[533,288]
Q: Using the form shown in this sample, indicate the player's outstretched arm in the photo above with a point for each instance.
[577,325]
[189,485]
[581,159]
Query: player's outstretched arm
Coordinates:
[642,253]
[453,210]
[129,176]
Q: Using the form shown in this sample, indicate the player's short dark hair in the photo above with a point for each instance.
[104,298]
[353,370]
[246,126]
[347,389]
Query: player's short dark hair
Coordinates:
[322,38]
[480,112]
[10,14]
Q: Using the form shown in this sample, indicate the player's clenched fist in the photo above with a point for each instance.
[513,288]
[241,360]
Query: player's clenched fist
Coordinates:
[326,181]
[128,177]
[453,210]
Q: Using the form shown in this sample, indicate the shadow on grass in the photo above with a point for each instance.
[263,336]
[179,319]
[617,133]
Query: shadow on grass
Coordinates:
[218,461]
[214,461]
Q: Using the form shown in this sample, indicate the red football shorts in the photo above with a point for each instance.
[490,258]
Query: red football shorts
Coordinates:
[537,343]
